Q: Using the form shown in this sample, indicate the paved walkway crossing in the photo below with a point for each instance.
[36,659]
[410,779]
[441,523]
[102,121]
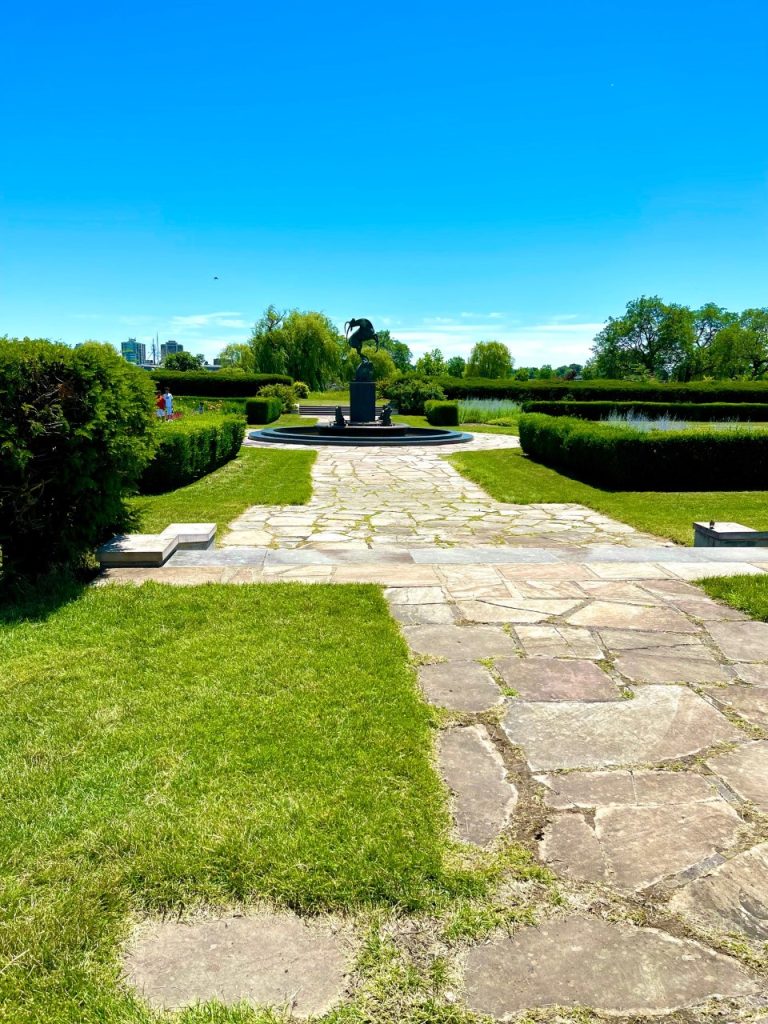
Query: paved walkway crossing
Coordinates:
[606,713]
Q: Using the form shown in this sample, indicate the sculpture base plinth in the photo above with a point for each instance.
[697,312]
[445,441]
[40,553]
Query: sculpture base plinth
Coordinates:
[363,430]
[362,401]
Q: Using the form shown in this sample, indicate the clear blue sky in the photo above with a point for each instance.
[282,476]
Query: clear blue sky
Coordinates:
[489,170]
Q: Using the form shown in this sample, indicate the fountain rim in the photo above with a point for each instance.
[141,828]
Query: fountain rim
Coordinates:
[414,437]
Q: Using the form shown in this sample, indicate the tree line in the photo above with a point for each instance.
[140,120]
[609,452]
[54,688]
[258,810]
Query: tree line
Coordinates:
[650,340]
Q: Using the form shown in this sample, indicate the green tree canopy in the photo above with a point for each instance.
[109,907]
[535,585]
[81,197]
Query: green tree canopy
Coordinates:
[183,361]
[431,364]
[305,345]
[491,359]
[238,357]
[455,366]
[740,349]
[401,354]
[383,364]
[652,338]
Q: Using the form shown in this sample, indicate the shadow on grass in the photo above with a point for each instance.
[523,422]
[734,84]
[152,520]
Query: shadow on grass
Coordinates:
[23,600]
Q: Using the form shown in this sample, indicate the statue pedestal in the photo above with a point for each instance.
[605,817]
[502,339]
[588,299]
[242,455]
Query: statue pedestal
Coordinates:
[362,401]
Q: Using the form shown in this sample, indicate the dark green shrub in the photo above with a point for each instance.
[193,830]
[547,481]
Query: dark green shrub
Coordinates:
[605,390]
[628,459]
[442,414]
[76,430]
[410,394]
[191,447]
[216,384]
[263,410]
[699,411]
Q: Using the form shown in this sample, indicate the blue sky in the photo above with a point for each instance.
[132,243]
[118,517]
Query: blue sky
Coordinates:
[488,170]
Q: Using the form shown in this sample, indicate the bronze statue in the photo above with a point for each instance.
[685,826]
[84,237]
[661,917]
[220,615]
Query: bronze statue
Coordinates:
[385,417]
[339,421]
[362,331]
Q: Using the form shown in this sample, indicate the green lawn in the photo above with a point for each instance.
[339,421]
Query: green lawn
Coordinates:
[747,593]
[226,745]
[471,428]
[258,476]
[510,476]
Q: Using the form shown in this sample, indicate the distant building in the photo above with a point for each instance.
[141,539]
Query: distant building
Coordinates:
[134,351]
[169,348]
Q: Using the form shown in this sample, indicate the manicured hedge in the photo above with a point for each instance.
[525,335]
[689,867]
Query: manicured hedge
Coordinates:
[627,459]
[701,411]
[191,447]
[604,390]
[76,430]
[215,384]
[263,410]
[442,414]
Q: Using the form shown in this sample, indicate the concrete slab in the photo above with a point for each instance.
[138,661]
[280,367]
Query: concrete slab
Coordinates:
[268,959]
[137,550]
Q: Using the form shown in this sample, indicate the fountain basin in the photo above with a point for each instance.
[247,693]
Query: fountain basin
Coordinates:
[360,435]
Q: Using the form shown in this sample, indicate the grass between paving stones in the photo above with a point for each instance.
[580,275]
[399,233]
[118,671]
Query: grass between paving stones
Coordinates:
[510,476]
[226,745]
[258,476]
[747,593]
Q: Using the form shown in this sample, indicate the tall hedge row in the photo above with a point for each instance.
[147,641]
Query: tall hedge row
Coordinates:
[604,390]
[701,411]
[190,448]
[215,384]
[627,459]
[76,431]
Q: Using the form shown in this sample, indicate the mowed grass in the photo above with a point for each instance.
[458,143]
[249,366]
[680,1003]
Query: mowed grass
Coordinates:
[258,476]
[226,745]
[747,593]
[509,476]
[508,427]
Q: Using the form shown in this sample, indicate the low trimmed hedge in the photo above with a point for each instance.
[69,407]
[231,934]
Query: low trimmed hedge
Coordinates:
[191,447]
[216,383]
[626,459]
[442,414]
[263,410]
[703,411]
[604,390]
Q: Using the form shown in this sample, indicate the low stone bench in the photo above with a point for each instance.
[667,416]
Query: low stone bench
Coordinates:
[150,550]
[728,535]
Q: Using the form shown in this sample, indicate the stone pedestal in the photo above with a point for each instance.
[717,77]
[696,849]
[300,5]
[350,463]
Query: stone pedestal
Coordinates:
[728,535]
[362,401]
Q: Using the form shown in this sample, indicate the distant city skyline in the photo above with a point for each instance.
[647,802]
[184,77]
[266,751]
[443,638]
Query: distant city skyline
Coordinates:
[510,172]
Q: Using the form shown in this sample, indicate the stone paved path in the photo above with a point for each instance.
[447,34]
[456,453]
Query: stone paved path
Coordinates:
[595,692]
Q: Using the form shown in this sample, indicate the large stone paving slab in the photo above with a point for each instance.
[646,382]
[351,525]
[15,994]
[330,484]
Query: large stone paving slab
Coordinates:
[745,770]
[265,960]
[661,723]
[750,702]
[553,641]
[460,643]
[483,797]
[731,898]
[741,641]
[645,827]
[614,614]
[612,968]
[557,679]
[644,667]
[460,686]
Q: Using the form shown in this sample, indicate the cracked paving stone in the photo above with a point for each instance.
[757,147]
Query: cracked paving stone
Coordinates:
[604,614]
[659,724]
[538,679]
[611,968]
[646,827]
[558,642]
[749,702]
[264,960]
[424,614]
[745,770]
[460,643]
[483,798]
[460,686]
[731,898]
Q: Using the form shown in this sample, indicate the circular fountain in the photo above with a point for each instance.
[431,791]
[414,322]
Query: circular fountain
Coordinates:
[363,428]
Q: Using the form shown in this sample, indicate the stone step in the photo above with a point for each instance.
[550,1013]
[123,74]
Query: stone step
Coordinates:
[151,550]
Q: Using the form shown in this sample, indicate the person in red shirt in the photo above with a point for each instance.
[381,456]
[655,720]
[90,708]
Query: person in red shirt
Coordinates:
[160,407]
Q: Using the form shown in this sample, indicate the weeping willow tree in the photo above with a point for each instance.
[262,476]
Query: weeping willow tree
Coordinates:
[307,346]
